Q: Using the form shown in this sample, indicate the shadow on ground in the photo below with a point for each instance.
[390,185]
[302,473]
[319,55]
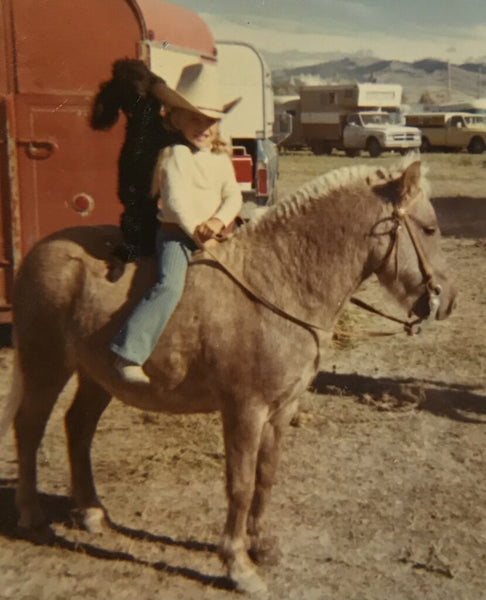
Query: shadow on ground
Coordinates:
[58,509]
[461,216]
[458,402]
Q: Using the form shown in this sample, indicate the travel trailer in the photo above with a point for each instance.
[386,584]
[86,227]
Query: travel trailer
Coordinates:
[244,73]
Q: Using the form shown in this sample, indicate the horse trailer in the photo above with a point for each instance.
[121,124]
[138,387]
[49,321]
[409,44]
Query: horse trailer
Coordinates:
[55,171]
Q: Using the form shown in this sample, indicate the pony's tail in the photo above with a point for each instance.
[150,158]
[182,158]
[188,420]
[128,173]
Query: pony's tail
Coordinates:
[14,398]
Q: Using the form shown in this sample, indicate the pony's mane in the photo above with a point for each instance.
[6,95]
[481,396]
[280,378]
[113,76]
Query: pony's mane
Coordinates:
[317,189]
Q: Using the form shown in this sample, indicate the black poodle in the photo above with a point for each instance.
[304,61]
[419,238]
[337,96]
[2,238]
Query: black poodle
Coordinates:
[129,91]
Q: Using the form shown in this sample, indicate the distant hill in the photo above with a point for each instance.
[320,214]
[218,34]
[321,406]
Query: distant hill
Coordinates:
[437,79]
[290,59]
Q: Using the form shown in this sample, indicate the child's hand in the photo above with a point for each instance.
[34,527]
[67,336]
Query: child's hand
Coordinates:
[211,243]
[209,229]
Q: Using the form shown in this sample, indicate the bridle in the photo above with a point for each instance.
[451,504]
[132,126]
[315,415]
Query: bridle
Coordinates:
[433,290]
[399,216]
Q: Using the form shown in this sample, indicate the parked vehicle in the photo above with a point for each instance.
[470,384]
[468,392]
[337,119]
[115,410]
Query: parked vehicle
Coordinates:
[355,117]
[243,72]
[450,131]
[476,106]
[287,122]
[55,171]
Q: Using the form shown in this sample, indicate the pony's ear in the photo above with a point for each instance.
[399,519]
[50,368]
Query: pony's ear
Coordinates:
[410,182]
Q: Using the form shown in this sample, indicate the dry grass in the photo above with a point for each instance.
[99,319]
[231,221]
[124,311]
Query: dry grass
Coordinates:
[451,174]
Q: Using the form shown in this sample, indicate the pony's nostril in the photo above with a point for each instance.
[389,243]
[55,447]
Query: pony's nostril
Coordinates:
[434,289]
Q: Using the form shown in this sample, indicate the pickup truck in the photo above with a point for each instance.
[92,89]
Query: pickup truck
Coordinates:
[376,132]
[353,117]
[450,131]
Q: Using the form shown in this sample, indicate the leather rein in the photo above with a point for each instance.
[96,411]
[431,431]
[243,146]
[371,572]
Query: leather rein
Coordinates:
[411,327]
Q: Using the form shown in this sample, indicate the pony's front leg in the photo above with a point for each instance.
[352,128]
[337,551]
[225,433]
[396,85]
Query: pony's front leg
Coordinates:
[242,433]
[264,549]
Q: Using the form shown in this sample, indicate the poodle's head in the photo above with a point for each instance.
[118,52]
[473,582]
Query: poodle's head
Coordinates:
[132,81]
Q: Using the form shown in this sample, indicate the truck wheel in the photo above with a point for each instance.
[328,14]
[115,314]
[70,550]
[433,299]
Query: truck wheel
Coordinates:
[425,145]
[373,147]
[319,147]
[476,146]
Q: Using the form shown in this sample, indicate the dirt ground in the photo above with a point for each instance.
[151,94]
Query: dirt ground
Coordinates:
[381,492]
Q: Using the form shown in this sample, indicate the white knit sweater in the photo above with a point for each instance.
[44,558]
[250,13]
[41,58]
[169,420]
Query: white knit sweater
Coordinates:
[195,186]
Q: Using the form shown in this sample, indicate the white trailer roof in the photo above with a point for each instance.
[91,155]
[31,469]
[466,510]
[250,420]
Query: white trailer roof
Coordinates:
[243,72]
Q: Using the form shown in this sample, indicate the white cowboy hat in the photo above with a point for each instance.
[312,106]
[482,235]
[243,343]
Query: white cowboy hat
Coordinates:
[198,91]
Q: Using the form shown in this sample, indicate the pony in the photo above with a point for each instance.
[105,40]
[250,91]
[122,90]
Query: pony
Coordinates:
[244,340]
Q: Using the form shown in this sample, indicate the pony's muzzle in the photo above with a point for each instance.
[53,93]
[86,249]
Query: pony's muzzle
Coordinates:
[428,304]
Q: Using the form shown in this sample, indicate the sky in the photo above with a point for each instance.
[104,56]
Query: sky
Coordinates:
[407,30]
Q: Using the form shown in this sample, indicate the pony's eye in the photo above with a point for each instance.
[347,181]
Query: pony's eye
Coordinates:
[429,230]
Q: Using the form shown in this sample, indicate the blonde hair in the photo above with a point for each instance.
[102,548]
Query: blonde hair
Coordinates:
[218,145]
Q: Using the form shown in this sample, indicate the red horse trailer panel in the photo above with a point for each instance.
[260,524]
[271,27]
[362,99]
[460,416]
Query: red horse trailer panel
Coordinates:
[56,172]
[176,25]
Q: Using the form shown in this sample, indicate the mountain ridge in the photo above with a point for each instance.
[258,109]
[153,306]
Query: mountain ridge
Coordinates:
[438,79]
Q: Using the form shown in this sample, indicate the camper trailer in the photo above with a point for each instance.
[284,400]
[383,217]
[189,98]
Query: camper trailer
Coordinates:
[55,171]
[475,106]
[250,125]
[355,117]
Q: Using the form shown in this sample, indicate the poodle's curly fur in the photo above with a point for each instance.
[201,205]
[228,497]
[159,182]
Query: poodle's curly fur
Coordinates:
[129,92]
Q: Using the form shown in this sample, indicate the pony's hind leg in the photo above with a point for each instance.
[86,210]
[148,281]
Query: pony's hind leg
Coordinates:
[39,391]
[81,421]
[265,549]
[242,432]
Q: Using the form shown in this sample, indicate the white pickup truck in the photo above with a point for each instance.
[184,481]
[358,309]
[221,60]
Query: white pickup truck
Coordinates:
[377,132]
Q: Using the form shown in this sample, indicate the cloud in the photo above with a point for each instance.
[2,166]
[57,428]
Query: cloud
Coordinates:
[277,35]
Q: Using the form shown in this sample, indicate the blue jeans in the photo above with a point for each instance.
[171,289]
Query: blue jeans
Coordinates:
[138,336]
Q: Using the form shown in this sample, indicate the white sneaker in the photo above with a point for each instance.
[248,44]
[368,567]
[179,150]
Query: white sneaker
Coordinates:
[130,372]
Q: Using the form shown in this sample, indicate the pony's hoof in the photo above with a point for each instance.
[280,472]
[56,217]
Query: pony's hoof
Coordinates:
[266,551]
[251,583]
[31,519]
[94,520]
